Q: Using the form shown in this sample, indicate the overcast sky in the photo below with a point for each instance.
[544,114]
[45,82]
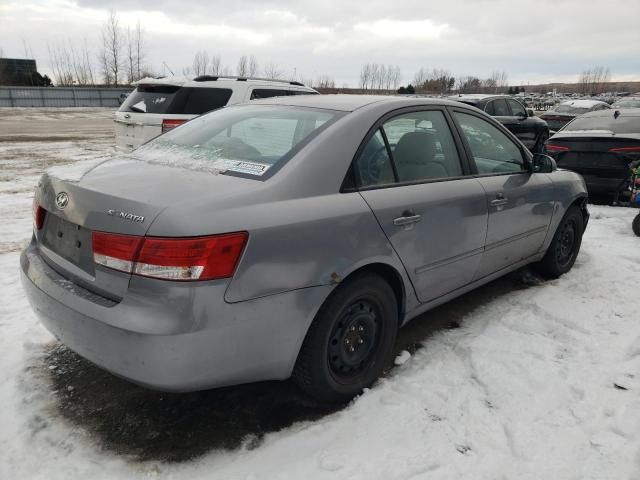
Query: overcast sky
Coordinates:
[533,41]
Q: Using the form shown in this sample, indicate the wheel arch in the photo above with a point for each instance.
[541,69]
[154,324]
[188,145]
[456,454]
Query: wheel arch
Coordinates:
[391,275]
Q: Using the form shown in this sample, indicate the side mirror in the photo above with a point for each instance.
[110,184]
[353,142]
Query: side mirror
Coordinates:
[543,163]
[530,112]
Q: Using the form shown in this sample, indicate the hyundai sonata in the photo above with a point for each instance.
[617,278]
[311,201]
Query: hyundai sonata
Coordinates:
[290,237]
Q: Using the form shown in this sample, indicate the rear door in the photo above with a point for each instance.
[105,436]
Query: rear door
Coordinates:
[520,203]
[433,212]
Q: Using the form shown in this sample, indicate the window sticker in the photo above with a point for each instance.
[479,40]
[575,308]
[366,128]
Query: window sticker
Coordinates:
[240,166]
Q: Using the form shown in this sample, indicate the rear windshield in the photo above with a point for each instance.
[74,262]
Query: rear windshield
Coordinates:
[248,140]
[629,103]
[622,124]
[570,109]
[176,100]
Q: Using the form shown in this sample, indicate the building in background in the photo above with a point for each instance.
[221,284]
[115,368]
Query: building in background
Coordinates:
[21,72]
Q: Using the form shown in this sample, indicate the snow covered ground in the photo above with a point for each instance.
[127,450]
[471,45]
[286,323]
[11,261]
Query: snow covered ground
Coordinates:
[522,379]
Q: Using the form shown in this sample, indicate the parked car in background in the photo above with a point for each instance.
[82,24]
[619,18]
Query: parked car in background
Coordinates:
[158,105]
[564,112]
[600,146]
[290,237]
[627,102]
[530,130]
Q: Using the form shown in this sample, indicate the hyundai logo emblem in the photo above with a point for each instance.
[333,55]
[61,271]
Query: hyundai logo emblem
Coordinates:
[62,200]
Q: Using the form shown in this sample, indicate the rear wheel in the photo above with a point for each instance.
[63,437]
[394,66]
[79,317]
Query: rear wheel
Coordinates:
[636,225]
[565,246]
[350,340]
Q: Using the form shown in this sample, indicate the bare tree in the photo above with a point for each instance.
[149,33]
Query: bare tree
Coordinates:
[200,63]
[365,76]
[253,66]
[112,49]
[243,66]
[272,71]
[497,82]
[140,50]
[61,74]
[593,80]
[325,81]
[216,65]
[135,53]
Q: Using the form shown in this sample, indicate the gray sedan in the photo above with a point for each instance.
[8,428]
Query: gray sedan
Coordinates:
[290,237]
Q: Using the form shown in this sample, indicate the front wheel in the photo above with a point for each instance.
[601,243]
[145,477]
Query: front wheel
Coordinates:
[350,340]
[565,246]
[636,225]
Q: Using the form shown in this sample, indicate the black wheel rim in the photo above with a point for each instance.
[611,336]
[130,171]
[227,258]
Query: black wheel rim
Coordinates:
[567,242]
[354,339]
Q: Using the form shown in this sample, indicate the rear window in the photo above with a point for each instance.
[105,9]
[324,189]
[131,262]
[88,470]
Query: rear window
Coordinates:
[622,124]
[570,109]
[629,103]
[246,140]
[176,100]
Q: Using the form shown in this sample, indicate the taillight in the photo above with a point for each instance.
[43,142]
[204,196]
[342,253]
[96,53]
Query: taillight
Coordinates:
[195,258]
[556,148]
[39,214]
[115,251]
[170,124]
[625,150]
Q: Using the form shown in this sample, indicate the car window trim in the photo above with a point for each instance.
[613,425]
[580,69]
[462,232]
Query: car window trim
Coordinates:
[528,161]
[462,156]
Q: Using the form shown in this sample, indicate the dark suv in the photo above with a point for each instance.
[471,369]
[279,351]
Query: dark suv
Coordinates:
[531,130]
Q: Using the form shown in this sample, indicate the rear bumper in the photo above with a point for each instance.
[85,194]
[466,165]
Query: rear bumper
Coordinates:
[178,338]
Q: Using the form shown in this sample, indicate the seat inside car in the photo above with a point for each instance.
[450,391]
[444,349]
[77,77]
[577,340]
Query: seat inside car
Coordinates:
[415,157]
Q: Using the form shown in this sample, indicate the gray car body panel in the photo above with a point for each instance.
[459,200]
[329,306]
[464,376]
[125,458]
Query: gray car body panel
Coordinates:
[306,235]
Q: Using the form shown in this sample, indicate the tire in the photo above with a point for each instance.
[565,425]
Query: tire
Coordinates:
[565,246]
[539,147]
[350,341]
[636,225]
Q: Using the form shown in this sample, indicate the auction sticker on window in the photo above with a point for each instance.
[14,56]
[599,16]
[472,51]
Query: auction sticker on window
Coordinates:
[240,166]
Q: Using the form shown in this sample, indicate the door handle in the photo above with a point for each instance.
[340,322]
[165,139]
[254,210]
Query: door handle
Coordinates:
[499,200]
[406,219]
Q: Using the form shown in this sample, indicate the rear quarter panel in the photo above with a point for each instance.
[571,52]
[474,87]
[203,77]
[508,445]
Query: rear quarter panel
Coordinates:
[568,188]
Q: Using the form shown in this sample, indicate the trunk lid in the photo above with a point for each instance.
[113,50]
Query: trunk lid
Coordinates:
[132,129]
[122,196]
[592,155]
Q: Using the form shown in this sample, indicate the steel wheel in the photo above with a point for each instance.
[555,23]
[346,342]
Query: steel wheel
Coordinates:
[353,339]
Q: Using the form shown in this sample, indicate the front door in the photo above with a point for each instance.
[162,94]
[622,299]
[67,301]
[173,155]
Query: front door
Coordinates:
[431,210]
[520,203]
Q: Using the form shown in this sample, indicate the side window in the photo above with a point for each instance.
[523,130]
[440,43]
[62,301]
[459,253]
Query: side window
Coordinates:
[492,150]
[422,146]
[200,100]
[489,108]
[500,108]
[373,166]
[267,93]
[517,109]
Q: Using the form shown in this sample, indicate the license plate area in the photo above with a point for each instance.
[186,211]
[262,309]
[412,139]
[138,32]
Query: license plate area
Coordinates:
[72,242]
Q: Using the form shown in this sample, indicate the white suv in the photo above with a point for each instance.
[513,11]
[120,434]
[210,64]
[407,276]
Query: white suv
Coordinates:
[158,105]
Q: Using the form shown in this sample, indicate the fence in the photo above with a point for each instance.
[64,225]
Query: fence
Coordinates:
[62,96]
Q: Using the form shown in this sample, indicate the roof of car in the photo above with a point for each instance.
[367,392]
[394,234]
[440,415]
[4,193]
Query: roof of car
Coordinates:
[349,102]
[476,97]
[626,112]
[583,103]
[206,80]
